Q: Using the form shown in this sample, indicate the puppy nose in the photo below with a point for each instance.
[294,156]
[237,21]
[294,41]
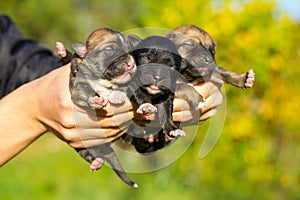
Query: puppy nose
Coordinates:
[130,64]
[156,77]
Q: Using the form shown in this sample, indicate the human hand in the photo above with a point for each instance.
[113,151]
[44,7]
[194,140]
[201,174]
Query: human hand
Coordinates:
[213,96]
[80,129]
[45,105]
[71,123]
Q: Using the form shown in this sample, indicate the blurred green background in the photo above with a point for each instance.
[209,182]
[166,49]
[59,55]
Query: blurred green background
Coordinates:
[258,153]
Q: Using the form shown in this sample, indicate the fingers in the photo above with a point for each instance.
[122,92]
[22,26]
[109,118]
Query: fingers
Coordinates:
[214,100]
[82,119]
[82,138]
[206,89]
[183,116]
[180,105]
[208,114]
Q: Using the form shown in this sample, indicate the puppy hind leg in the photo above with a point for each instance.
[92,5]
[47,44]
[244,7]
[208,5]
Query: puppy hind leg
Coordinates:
[95,156]
[96,163]
[110,156]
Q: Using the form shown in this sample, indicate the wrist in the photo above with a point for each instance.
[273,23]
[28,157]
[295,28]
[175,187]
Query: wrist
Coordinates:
[19,126]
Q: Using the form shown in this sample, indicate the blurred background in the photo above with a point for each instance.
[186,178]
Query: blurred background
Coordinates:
[258,153]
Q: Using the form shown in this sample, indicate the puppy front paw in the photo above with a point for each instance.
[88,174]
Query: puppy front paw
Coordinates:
[97,102]
[117,97]
[250,77]
[146,109]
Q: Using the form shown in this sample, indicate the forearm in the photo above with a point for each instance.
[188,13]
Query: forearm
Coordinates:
[18,126]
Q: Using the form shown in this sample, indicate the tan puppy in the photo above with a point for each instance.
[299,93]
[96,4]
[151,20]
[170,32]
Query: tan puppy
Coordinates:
[197,47]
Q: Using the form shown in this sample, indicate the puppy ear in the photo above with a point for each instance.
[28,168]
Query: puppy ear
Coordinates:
[183,64]
[172,36]
[80,49]
[133,40]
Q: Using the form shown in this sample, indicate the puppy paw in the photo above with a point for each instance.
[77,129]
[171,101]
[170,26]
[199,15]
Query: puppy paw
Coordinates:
[250,77]
[117,97]
[61,50]
[97,102]
[168,139]
[177,133]
[96,164]
[146,109]
[152,138]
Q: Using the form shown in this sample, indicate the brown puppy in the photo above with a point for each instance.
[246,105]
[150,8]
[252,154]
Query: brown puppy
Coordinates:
[99,67]
[103,65]
[198,48]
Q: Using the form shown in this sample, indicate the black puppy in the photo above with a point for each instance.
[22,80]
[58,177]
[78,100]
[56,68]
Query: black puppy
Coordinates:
[157,73]
[99,67]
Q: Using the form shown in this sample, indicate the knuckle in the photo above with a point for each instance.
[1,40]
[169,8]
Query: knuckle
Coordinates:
[67,121]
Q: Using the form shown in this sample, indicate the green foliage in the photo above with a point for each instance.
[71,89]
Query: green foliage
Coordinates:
[257,155]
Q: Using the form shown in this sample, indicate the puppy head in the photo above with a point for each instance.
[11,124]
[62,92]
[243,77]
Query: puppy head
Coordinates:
[157,49]
[156,79]
[197,62]
[105,55]
[196,48]
[197,34]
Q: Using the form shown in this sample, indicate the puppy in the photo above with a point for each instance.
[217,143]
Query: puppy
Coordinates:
[198,48]
[99,67]
[158,64]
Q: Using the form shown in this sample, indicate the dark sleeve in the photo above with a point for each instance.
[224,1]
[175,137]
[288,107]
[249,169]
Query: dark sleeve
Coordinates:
[21,60]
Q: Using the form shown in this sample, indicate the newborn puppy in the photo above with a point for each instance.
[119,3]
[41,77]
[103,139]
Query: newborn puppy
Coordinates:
[103,66]
[99,67]
[198,48]
[158,64]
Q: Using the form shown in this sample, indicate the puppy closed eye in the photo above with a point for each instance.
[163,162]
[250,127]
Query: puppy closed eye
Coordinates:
[170,62]
[109,48]
[109,51]
[143,59]
[207,60]
[188,44]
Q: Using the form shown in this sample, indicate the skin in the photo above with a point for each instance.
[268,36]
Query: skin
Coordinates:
[45,105]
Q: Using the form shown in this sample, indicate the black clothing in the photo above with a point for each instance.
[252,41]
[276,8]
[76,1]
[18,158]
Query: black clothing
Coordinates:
[21,60]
